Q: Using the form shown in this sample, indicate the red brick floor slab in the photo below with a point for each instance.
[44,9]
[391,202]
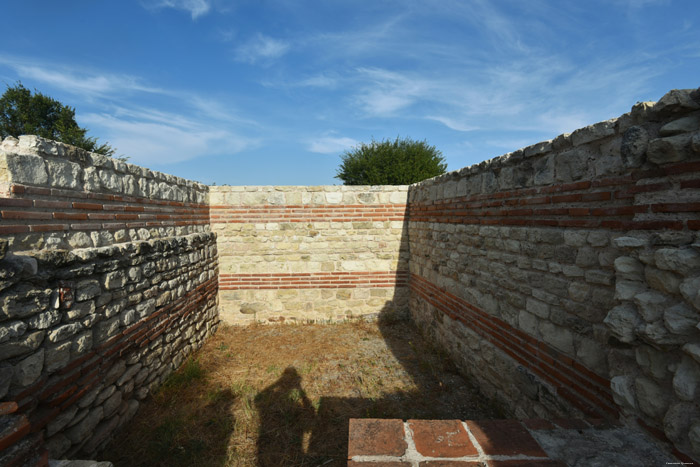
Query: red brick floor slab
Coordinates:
[441,438]
[375,437]
[527,463]
[379,464]
[452,464]
[505,438]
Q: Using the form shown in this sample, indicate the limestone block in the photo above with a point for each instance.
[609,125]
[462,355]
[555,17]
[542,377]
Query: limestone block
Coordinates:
[57,356]
[82,430]
[679,260]
[675,101]
[112,403]
[693,350]
[87,289]
[657,334]
[592,354]
[110,181]
[694,436]
[655,362]
[62,420]
[22,345]
[64,331]
[29,369]
[681,125]
[622,321]
[623,391]
[630,242]
[593,132]
[665,281]
[690,289]
[23,301]
[27,169]
[64,174]
[653,399]
[680,319]
[678,420]
[634,145]
[559,337]
[571,165]
[669,149]
[627,267]
[687,379]
[651,305]
[11,329]
[114,280]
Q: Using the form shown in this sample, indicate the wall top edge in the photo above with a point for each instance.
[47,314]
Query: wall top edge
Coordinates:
[676,101]
[324,188]
[32,145]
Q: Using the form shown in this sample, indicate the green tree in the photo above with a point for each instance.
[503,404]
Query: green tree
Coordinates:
[22,113]
[398,162]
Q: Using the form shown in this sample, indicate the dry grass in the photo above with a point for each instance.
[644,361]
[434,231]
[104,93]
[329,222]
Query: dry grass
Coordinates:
[279,395]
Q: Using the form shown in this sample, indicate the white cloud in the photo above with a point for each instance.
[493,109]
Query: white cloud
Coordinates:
[147,137]
[261,48]
[196,8]
[75,80]
[332,145]
[319,81]
[452,123]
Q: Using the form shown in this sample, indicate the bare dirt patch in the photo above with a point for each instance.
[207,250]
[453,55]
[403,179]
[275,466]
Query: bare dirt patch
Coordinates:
[282,395]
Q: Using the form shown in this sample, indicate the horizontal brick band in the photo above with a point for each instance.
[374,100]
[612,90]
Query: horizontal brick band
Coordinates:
[222,214]
[31,211]
[607,203]
[572,381]
[317,280]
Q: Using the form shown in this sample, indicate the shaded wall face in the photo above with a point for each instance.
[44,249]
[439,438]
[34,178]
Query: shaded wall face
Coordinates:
[106,285]
[564,277]
[303,254]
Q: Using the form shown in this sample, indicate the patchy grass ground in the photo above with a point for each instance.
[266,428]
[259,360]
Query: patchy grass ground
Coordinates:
[282,395]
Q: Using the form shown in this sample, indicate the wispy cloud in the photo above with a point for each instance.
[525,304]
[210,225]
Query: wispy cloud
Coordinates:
[153,137]
[76,80]
[332,144]
[196,8]
[261,48]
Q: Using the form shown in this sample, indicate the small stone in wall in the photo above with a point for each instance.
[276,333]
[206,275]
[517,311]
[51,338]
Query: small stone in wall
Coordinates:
[690,289]
[623,321]
[653,400]
[679,260]
[680,319]
[623,391]
[687,379]
[651,305]
[634,145]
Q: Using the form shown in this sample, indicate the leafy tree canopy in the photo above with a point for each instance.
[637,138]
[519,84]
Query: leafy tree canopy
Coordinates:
[399,162]
[22,113]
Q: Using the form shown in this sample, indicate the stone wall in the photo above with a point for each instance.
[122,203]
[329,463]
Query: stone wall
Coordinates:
[303,254]
[103,293]
[564,277]
[56,196]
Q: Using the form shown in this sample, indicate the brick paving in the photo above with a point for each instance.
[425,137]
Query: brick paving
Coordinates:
[499,443]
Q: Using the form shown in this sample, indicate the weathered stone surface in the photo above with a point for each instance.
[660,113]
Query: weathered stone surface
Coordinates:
[623,320]
[676,101]
[694,436]
[687,379]
[653,400]
[630,242]
[623,391]
[27,169]
[679,319]
[61,421]
[669,149]
[11,329]
[571,165]
[634,145]
[651,305]
[690,290]
[114,280]
[63,174]
[22,345]
[681,125]
[81,431]
[677,421]
[559,337]
[665,281]
[678,260]
[87,289]
[29,369]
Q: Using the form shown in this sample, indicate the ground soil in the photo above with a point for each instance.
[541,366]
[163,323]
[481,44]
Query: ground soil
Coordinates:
[282,395]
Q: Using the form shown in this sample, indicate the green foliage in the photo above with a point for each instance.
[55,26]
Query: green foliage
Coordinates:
[399,162]
[22,113]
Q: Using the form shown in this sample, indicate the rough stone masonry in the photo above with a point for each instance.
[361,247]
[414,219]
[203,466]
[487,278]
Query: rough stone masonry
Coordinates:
[563,277]
[108,280]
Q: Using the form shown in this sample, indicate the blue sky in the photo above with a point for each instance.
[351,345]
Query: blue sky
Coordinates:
[271,92]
